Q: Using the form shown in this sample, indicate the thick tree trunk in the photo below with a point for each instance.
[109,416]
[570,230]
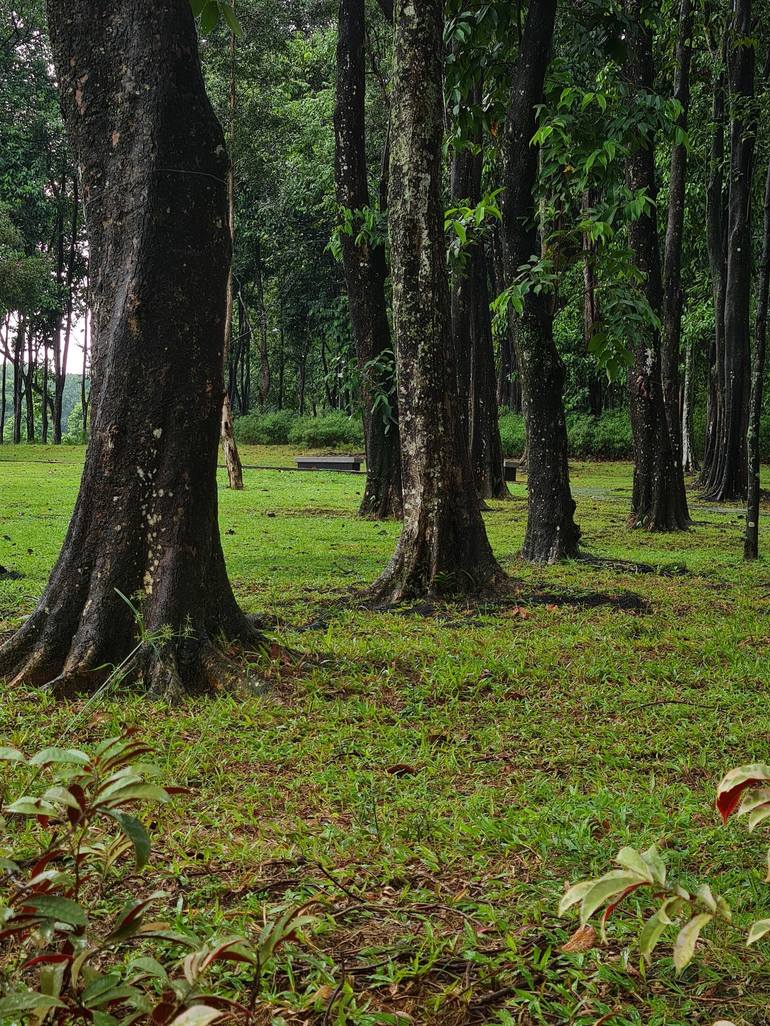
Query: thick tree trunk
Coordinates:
[672,267]
[229,445]
[659,501]
[751,541]
[365,273]
[472,339]
[443,546]
[145,521]
[728,474]
[552,533]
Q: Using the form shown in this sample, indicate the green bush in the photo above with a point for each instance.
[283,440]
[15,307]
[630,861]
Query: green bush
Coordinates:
[327,432]
[511,433]
[264,428]
[608,437]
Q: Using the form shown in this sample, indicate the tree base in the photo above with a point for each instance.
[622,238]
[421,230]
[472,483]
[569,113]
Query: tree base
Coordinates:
[406,580]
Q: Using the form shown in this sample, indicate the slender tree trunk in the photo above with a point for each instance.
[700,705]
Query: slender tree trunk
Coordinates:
[552,533]
[145,521]
[44,400]
[18,362]
[443,546]
[751,541]
[689,456]
[728,476]
[591,314]
[508,382]
[60,366]
[365,273]
[672,268]
[3,400]
[229,445]
[716,240]
[659,500]
[264,359]
[29,378]
[472,337]
[83,378]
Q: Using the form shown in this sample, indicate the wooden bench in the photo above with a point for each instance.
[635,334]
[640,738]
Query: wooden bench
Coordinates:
[509,469]
[347,464]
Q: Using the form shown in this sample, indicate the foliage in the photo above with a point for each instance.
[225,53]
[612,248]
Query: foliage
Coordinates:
[607,437]
[69,960]
[744,791]
[264,428]
[332,429]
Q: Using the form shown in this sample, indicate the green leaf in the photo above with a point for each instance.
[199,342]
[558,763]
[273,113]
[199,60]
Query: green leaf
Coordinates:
[758,931]
[26,1000]
[198,1015]
[70,756]
[62,910]
[197,7]
[684,945]
[136,833]
[209,17]
[30,806]
[630,858]
[232,22]
[651,934]
[11,755]
[612,883]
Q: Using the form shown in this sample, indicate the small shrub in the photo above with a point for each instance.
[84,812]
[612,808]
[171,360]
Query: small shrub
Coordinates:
[66,959]
[264,428]
[612,438]
[512,433]
[744,791]
[580,435]
[329,431]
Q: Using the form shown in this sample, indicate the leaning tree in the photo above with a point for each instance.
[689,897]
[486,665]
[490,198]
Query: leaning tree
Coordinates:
[153,166]
[443,546]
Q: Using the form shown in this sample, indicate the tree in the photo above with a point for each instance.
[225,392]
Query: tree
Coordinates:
[727,469]
[443,546]
[153,167]
[659,502]
[672,268]
[751,541]
[552,533]
[363,259]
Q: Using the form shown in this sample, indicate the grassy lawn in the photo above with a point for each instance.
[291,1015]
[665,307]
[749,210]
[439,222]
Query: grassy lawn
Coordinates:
[438,773]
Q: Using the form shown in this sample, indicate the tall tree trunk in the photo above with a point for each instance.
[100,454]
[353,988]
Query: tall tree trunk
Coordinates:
[264,359]
[84,397]
[659,501]
[29,379]
[472,336]
[18,364]
[229,445]
[552,533]
[508,381]
[443,546]
[591,314]
[145,521]
[3,400]
[728,476]
[751,541]
[689,456]
[672,267]
[716,245]
[44,399]
[365,273]
[60,367]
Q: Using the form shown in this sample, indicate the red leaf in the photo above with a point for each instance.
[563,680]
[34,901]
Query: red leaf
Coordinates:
[611,908]
[728,801]
[47,960]
[41,863]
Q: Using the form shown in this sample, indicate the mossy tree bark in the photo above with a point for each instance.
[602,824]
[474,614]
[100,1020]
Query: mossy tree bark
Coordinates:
[659,501]
[365,273]
[443,546]
[552,533]
[153,168]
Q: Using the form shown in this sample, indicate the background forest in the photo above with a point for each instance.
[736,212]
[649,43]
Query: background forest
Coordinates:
[292,355]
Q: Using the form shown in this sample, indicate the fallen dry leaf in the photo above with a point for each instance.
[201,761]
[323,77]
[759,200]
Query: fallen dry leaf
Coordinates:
[583,939]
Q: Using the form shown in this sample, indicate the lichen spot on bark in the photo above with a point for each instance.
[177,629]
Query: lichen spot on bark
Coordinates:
[157,432]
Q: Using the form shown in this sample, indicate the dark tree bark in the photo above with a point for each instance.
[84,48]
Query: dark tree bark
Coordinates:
[591,314]
[715,241]
[751,541]
[472,339]
[727,477]
[62,340]
[153,168]
[264,358]
[508,382]
[443,546]
[552,533]
[672,267]
[365,273]
[659,501]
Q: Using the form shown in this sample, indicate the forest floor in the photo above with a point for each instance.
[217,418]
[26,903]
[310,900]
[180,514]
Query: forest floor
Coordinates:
[438,772]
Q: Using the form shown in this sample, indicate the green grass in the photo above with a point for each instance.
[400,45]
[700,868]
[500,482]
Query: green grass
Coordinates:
[437,774]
